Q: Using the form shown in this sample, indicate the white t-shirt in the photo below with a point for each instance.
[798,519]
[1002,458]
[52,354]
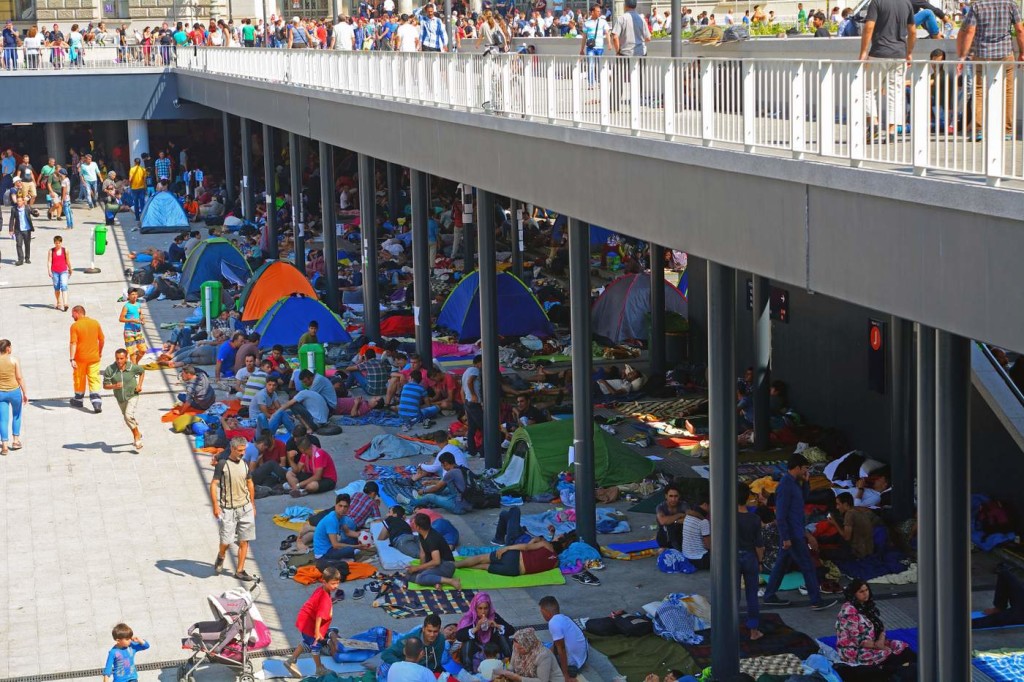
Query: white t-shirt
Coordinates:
[404,671]
[407,37]
[389,6]
[596,29]
[32,45]
[694,532]
[344,36]
[562,628]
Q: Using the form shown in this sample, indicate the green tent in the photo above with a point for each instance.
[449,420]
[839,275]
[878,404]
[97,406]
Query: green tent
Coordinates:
[539,452]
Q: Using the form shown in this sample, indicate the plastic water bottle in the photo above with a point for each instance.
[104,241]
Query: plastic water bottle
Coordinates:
[200,441]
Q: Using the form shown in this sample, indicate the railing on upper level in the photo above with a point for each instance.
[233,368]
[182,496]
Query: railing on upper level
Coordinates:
[925,117]
[62,59]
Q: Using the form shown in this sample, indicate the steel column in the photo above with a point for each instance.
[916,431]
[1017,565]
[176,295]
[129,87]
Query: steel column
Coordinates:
[762,361]
[248,205]
[927,564]
[420,190]
[725,651]
[329,218]
[517,239]
[394,191]
[295,159]
[656,342]
[953,522]
[677,28]
[490,373]
[469,237]
[229,168]
[269,176]
[582,408]
[368,232]
[900,459]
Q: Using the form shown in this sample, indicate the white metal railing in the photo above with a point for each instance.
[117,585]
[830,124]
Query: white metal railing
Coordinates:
[58,59]
[924,117]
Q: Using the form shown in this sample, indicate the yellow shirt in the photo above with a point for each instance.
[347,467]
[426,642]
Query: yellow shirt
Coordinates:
[137,177]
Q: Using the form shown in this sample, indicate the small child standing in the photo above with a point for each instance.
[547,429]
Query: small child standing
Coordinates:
[492,661]
[120,665]
[313,621]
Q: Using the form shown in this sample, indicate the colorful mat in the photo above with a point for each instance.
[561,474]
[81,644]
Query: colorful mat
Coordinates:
[475,579]
[1001,666]
[400,602]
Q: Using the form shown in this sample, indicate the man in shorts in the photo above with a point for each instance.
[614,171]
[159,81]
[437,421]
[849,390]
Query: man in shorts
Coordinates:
[233,496]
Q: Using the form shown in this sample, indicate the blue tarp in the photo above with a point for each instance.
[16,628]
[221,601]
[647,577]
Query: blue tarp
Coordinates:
[163,213]
[519,312]
[289,318]
[203,264]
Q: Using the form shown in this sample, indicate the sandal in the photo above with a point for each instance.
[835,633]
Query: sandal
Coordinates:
[287,542]
[16,445]
[4,451]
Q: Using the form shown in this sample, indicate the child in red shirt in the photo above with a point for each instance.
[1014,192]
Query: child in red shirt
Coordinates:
[313,621]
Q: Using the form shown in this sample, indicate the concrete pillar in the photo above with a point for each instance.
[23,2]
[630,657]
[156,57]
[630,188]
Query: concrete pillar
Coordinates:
[490,372]
[762,361]
[295,159]
[517,239]
[468,230]
[421,272]
[368,231]
[229,165]
[656,341]
[138,140]
[900,456]
[269,174]
[583,409]
[394,173]
[953,488]
[927,564]
[328,210]
[248,203]
[722,431]
[55,146]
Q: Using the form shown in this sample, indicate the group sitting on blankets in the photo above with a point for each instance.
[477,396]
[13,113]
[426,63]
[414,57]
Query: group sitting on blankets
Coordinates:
[336,536]
[314,472]
[398,533]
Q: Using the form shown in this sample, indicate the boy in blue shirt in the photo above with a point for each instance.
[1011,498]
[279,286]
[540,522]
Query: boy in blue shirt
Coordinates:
[120,665]
[410,402]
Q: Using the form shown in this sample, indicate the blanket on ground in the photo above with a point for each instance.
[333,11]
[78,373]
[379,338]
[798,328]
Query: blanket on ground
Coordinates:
[309,574]
[390,558]
[636,657]
[874,566]
[475,579]
[400,602]
[779,639]
[381,472]
[374,417]
[662,410]
[564,521]
[1001,666]
[391,446]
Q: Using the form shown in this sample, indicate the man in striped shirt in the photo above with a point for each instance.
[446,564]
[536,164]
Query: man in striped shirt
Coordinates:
[410,404]
[432,34]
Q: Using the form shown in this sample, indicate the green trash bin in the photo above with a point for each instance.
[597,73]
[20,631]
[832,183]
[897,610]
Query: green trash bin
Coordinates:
[99,234]
[210,296]
[311,357]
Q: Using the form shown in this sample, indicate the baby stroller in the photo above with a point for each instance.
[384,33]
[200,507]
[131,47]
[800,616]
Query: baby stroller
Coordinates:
[237,630]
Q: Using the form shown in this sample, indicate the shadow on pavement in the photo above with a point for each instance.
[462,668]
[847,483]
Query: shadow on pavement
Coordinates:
[109,448]
[186,567]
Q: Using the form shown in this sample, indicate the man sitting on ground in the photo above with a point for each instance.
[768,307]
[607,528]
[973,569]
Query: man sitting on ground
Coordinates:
[320,384]
[199,394]
[336,539]
[365,505]
[697,535]
[401,377]
[310,408]
[856,526]
[568,643]
[371,375]
[437,563]
[873,491]
[226,356]
[433,648]
[435,468]
[265,407]
[671,514]
[410,669]
[313,473]
[410,406]
[447,492]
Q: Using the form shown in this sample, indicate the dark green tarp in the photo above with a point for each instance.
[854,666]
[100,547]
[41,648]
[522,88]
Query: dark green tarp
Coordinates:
[543,452]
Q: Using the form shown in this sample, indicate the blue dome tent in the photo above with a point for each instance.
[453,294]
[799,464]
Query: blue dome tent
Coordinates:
[204,264]
[621,311]
[519,311]
[287,320]
[163,213]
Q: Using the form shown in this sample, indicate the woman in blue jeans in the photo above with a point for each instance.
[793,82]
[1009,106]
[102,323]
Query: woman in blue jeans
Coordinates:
[12,396]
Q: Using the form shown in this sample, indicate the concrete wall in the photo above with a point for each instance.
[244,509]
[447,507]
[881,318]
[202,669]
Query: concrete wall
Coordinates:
[109,96]
[140,12]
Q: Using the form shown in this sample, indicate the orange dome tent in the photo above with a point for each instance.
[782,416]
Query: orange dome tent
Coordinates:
[271,282]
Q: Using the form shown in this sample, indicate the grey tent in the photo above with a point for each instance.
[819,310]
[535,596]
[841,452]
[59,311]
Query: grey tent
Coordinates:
[621,311]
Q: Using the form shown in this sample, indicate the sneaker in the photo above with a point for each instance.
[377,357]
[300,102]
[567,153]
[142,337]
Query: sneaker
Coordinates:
[218,565]
[358,593]
[290,666]
[161,297]
[824,605]
[97,407]
[77,402]
[587,578]
[774,600]
[339,595]
[245,577]
[802,590]
[497,544]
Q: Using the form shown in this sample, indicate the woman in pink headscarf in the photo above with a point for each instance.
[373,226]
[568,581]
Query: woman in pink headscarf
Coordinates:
[480,625]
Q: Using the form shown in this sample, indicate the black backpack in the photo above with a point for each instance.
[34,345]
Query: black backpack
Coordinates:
[480,493]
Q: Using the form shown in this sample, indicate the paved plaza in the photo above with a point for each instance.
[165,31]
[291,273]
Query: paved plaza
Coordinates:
[95,533]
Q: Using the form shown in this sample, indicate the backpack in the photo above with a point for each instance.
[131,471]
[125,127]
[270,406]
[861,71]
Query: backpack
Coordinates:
[735,33]
[479,493]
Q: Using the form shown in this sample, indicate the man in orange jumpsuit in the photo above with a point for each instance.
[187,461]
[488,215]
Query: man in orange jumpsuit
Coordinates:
[86,352]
